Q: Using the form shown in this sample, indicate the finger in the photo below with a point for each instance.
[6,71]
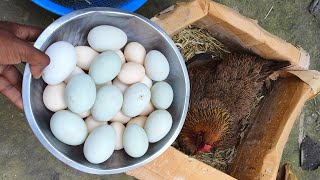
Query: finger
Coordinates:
[23,51]
[25,32]
[37,59]
[13,75]
[11,92]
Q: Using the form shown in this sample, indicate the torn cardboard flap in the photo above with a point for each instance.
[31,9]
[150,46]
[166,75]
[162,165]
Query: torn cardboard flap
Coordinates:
[231,26]
[311,77]
[176,18]
[249,34]
[304,57]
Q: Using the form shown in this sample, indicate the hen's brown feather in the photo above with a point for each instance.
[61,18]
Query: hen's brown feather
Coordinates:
[221,95]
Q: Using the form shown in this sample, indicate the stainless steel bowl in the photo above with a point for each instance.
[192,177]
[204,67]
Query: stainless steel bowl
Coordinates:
[74,28]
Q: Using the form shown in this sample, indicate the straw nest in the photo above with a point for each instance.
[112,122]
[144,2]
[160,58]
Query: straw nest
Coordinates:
[194,40]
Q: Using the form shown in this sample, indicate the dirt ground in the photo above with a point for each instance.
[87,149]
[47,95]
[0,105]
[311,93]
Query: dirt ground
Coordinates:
[23,157]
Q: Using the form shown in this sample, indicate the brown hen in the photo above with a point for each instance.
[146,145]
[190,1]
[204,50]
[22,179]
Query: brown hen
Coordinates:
[222,92]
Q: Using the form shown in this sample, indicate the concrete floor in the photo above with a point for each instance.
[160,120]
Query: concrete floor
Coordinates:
[23,157]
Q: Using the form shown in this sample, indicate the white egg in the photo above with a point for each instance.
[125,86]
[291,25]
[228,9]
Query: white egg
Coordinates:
[119,129]
[123,87]
[148,109]
[157,125]
[105,67]
[135,141]
[147,81]
[157,66]
[68,127]
[62,62]
[161,95]
[98,86]
[131,72]
[104,38]
[135,99]
[80,93]
[85,114]
[121,55]
[92,123]
[100,144]
[140,120]
[135,52]
[53,97]
[75,71]
[85,55]
[108,103]
[120,117]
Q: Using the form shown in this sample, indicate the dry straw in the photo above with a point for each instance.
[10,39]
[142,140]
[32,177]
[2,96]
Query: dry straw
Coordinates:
[194,40]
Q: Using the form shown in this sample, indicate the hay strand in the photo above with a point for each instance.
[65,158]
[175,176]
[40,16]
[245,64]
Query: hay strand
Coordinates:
[194,40]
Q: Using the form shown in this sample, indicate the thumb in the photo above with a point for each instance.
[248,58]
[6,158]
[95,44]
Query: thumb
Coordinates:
[37,59]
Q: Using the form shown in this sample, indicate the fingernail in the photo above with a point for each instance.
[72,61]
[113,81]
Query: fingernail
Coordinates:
[37,77]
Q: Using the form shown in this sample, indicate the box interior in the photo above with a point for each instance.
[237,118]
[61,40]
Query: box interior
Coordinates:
[263,142]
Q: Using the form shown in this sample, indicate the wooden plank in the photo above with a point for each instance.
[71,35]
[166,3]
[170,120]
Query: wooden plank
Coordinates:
[258,157]
[173,164]
[181,15]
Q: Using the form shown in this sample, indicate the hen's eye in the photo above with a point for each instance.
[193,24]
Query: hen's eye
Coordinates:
[193,135]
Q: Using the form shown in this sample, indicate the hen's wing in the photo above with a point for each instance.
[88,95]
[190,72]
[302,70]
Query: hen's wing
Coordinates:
[200,69]
[238,79]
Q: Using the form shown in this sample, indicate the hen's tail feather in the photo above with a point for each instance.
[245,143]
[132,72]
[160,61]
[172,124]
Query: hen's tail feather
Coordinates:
[202,58]
[272,66]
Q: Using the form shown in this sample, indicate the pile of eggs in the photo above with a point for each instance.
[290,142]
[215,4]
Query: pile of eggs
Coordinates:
[102,84]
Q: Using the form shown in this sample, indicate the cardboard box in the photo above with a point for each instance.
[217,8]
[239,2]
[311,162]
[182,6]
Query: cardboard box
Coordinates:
[258,157]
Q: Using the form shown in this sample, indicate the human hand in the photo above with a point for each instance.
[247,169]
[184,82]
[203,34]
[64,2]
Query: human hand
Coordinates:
[15,49]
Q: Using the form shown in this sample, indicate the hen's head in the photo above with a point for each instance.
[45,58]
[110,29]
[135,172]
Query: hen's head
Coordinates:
[204,129]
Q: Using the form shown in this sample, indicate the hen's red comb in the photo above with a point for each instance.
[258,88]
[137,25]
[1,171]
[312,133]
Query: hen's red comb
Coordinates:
[205,148]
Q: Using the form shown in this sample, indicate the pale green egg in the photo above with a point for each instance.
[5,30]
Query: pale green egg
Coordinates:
[157,125]
[156,65]
[135,99]
[100,144]
[104,38]
[68,127]
[80,93]
[161,95]
[108,103]
[135,141]
[105,67]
